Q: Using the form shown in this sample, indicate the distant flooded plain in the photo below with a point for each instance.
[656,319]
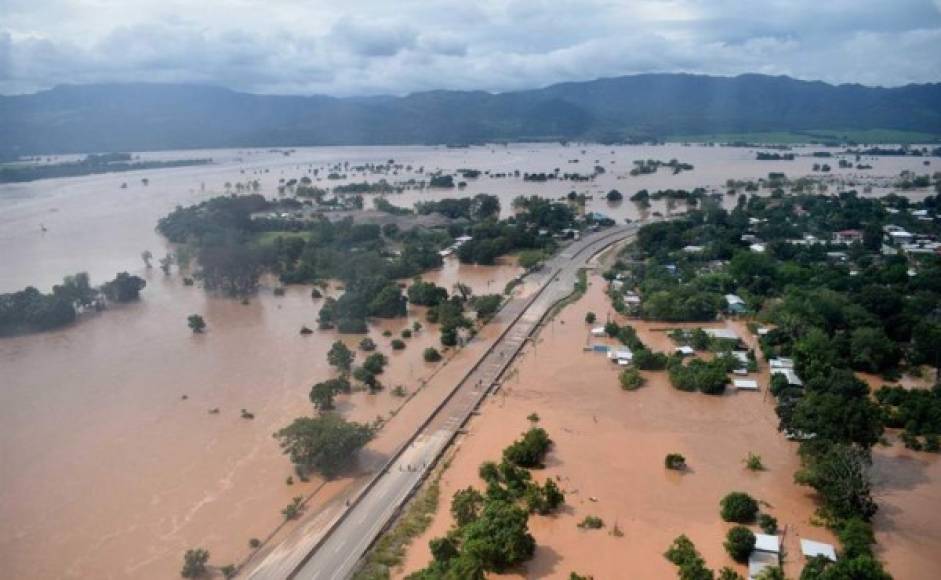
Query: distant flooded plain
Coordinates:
[112,464]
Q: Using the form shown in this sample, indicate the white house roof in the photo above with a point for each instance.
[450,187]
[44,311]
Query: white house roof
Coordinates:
[811,548]
[733,299]
[782,363]
[685,350]
[745,384]
[721,333]
[767,543]
[740,355]
[759,248]
[621,354]
[597,331]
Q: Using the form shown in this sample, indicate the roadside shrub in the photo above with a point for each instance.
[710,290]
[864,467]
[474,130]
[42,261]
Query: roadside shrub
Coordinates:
[431,355]
[739,543]
[367,345]
[738,507]
[398,344]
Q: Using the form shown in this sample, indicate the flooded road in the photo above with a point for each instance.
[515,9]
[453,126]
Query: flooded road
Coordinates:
[108,471]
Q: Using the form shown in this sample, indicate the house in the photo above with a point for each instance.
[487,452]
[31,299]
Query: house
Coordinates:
[768,543]
[757,248]
[766,554]
[900,237]
[810,549]
[463,239]
[598,331]
[897,235]
[735,304]
[848,237]
[685,350]
[758,561]
[721,333]
[622,356]
[631,298]
[745,384]
[781,363]
[693,249]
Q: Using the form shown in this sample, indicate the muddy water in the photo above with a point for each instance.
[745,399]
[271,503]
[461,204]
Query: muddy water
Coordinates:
[95,225]
[608,456]
[107,471]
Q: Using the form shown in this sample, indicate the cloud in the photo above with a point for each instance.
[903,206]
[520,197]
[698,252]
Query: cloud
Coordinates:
[370,46]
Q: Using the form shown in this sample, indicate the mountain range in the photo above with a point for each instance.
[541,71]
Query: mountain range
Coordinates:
[145,116]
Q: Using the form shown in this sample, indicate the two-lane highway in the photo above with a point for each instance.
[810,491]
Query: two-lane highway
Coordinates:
[337,552]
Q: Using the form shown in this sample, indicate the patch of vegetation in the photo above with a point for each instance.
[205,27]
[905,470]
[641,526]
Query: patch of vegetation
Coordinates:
[739,543]
[591,523]
[327,444]
[674,461]
[738,507]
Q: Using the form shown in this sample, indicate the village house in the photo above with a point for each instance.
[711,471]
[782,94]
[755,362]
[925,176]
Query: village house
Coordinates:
[848,237]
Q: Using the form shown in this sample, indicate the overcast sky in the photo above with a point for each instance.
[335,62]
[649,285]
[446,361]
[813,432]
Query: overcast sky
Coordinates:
[363,47]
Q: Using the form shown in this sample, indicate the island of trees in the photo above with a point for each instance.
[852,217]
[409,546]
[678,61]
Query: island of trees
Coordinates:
[30,310]
[90,164]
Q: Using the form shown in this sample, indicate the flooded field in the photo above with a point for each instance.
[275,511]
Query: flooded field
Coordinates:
[608,457]
[109,472]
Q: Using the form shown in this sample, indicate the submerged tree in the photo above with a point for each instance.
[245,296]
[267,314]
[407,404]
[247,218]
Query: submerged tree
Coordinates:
[327,444]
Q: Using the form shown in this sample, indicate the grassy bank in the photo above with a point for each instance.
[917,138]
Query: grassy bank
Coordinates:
[389,551]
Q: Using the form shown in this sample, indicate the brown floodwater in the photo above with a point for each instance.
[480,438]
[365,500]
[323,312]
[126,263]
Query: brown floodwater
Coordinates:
[108,472]
[608,458]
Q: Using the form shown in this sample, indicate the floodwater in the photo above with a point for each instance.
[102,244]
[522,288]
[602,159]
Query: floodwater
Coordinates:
[109,472]
[608,458]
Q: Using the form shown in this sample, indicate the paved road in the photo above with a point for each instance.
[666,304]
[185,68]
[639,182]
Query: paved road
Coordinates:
[336,555]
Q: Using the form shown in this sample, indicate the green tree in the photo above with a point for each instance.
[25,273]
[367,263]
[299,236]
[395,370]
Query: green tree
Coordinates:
[431,355]
[486,305]
[500,537]
[872,350]
[466,506]
[340,357]
[738,507]
[321,394]
[530,450]
[631,379]
[840,475]
[375,363]
[196,323]
[124,288]
[739,543]
[326,444]
[194,563]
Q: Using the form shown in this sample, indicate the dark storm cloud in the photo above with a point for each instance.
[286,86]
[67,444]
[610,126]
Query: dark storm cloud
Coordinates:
[373,46]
